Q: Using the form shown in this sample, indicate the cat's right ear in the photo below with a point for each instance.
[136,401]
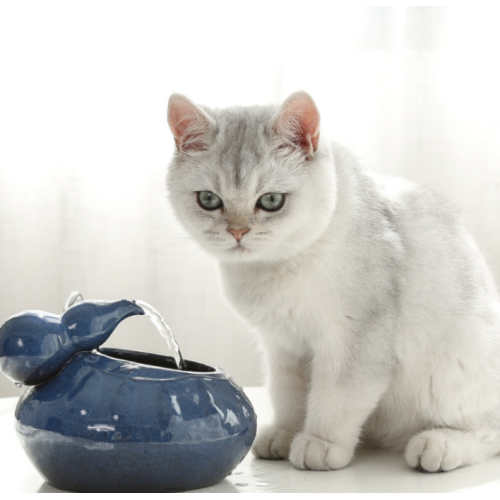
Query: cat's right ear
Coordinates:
[189,124]
[297,123]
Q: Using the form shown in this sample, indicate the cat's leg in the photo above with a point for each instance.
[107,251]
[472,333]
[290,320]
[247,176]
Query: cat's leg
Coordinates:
[287,388]
[344,391]
[445,449]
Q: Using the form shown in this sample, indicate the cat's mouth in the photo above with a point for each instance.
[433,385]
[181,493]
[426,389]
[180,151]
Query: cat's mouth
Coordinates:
[239,248]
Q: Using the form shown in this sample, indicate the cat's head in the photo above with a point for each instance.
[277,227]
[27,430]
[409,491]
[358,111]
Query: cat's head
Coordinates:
[253,183]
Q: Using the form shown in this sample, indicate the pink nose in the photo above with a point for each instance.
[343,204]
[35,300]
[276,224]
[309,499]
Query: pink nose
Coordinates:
[238,233]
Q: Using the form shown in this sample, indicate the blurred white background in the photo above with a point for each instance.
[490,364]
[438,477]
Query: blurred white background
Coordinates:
[84,142]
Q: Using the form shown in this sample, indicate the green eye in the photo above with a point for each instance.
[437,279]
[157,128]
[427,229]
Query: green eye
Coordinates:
[209,200]
[271,201]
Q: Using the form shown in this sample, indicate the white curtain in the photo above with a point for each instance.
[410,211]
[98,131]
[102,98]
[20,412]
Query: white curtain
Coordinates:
[84,143]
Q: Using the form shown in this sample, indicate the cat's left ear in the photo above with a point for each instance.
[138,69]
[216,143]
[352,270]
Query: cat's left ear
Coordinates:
[190,125]
[297,122]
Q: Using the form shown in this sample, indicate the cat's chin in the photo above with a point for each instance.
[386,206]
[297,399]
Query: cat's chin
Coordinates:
[244,254]
[238,253]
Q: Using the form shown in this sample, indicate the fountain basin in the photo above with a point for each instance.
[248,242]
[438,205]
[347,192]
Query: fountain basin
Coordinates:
[124,421]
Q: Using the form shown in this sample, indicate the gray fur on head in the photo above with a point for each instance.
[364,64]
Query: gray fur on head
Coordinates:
[251,152]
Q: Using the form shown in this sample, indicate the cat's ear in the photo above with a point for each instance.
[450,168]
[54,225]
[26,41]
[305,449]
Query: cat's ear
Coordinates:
[190,125]
[297,122]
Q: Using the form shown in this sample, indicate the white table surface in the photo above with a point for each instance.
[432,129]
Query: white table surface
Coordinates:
[371,471]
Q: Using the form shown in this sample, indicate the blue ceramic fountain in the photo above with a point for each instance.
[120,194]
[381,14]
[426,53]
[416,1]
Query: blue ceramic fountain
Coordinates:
[110,420]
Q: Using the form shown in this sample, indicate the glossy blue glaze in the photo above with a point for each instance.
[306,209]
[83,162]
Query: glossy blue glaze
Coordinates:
[35,345]
[122,421]
[115,420]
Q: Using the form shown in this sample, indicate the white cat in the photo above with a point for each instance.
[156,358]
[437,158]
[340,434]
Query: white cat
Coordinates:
[378,315]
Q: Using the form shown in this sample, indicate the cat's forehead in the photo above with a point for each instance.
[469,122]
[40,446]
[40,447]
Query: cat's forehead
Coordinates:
[243,133]
[241,148]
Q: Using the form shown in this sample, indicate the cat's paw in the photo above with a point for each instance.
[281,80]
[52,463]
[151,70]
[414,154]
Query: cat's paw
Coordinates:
[313,453]
[272,443]
[433,451]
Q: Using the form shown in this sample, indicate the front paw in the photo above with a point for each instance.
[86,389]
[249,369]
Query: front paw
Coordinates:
[311,452]
[433,451]
[272,443]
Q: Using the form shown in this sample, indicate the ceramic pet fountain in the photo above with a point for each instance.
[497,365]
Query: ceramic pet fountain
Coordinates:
[110,420]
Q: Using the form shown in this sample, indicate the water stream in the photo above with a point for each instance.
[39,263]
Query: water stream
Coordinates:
[165,332]
[154,316]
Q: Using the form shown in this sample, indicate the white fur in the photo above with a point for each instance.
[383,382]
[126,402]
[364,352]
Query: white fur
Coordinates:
[379,318]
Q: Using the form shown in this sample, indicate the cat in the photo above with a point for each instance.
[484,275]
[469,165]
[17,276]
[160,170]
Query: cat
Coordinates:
[378,315]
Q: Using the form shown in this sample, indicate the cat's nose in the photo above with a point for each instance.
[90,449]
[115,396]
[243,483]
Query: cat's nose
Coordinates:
[238,233]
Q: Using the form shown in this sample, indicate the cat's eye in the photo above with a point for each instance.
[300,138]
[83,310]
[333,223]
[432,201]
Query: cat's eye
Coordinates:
[209,200]
[271,201]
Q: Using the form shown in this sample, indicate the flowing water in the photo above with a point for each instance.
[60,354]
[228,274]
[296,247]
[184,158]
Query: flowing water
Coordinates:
[164,330]
[154,316]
